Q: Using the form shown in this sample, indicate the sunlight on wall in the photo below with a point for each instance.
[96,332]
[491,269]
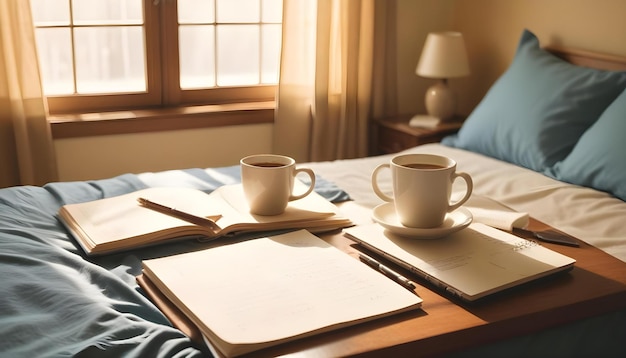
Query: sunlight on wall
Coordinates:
[107,156]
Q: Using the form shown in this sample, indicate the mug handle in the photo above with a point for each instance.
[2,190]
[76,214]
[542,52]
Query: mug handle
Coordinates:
[311,187]
[468,193]
[377,190]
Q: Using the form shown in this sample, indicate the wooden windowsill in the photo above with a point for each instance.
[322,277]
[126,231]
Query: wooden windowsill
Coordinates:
[155,120]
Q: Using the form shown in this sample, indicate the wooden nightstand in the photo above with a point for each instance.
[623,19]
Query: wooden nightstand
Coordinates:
[394,134]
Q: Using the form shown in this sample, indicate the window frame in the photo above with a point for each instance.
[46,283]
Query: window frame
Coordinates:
[163,92]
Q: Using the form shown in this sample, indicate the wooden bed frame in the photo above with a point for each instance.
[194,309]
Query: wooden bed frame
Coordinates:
[589,58]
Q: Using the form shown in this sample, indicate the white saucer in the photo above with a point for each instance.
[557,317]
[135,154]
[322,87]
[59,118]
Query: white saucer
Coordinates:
[385,215]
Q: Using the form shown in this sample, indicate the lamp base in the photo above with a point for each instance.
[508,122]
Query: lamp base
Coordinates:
[441,101]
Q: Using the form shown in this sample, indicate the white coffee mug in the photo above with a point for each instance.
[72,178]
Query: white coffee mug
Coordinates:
[268,182]
[422,185]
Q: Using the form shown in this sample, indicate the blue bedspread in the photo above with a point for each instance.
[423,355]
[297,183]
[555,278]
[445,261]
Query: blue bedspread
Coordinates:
[54,301]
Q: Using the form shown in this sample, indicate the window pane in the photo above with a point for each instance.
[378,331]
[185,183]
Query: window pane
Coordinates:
[238,11]
[54,50]
[50,12]
[196,11]
[237,55]
[110,59]
[100,47]
[272,11]
[107,12]
[197,56]
[270,53]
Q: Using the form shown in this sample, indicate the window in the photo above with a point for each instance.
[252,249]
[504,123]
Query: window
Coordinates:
[115,55]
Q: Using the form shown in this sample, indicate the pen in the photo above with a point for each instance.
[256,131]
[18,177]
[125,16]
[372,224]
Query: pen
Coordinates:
[550,236]
[388,272]
[198,220]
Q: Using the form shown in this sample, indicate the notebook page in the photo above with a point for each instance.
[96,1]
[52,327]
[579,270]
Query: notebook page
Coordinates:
[475,261]
[272,288]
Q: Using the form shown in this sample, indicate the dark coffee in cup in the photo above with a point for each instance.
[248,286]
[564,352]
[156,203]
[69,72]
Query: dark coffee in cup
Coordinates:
[268,165]
[423,166]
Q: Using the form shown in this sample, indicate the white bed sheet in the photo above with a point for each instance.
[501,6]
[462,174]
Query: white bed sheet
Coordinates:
[590,215]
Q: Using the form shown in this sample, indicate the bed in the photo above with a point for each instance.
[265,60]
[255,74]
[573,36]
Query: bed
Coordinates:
[544,158]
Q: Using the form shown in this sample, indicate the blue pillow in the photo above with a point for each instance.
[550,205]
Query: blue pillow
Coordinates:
[537,110]
[598,160]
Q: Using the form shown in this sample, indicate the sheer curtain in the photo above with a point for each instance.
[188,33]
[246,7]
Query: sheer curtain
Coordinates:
[328,65]
[26,149]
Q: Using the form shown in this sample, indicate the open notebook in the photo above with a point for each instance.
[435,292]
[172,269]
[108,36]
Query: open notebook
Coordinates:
[259,293]
[471,263]
[121,222]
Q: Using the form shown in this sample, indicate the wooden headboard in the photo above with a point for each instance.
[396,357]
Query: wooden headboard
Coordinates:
[589,59]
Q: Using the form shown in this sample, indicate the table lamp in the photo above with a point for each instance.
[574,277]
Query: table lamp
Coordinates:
[443,57]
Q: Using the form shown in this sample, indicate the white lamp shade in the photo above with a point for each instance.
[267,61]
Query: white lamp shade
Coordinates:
[443,56]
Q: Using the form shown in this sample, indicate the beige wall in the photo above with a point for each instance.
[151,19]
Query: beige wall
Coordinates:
[491,29]
[107,156]
[416,18]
